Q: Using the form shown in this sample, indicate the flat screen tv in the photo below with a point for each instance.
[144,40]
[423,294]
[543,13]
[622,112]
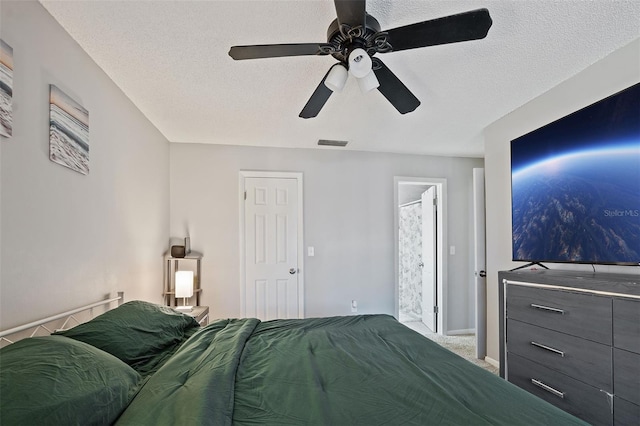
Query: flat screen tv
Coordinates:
[575,186]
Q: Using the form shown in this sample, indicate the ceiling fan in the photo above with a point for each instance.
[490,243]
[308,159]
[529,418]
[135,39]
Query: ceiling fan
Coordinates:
[355,37]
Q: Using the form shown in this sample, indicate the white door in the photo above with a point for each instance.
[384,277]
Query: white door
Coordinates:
[479,263]
[271,284]
[429,243]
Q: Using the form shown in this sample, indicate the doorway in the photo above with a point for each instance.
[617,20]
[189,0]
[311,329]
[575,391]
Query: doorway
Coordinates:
[419,205]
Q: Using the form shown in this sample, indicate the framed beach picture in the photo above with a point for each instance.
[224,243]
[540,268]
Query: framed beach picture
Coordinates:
[6,89]
[68,132]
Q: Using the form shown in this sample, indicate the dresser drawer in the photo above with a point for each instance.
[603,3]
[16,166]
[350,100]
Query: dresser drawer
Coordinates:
[582,400]
[582,315]
[626,325]
[582,359]
[625,413]
[626,377]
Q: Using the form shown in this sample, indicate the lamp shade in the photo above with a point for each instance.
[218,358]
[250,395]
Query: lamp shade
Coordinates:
[184,283]
[336,78]
[368,82]
[359,63]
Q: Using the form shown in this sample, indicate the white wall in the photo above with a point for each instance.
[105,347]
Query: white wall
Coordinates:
[617,71]
[70,239]
[348,213]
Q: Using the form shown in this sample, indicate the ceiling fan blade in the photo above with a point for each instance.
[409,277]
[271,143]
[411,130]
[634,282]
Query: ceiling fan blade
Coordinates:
[472,25]
[317,99]
[277,50]
[393,89]
[351,12]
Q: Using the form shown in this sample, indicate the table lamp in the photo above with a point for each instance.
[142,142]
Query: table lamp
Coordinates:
[184,288]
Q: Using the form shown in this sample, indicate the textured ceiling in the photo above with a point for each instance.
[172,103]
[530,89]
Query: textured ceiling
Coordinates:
[171,59]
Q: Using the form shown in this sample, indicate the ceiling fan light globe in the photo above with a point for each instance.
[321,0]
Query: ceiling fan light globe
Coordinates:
[336,78]
[368,82]
[359,63]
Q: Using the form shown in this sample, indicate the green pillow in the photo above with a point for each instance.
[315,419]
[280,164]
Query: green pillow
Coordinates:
[53,380]
[142,334]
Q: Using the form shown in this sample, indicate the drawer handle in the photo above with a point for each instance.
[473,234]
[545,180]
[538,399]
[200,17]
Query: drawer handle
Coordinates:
[549,348]
[547,308]
[548,388]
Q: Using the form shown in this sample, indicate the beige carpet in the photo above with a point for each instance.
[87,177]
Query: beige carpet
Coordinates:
[463,345]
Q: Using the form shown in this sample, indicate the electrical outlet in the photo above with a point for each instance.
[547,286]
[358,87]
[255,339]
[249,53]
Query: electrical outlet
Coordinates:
[354,306]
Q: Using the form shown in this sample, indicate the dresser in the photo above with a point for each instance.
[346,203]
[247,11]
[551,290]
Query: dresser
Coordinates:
[573,339]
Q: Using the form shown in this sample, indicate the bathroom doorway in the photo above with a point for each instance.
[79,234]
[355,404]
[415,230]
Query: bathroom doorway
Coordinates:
[419,242]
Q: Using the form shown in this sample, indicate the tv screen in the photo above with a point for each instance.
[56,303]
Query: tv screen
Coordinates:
[575,186]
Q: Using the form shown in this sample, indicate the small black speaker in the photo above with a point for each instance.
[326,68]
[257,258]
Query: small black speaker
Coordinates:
[177,251]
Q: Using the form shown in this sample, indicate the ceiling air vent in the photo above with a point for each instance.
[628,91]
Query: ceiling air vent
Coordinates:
[327,142]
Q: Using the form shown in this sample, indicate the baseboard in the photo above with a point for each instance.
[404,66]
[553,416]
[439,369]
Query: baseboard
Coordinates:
[492,361]
[459,332]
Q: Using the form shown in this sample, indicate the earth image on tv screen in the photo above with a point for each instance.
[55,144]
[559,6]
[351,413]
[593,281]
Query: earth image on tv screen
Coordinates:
[582,207]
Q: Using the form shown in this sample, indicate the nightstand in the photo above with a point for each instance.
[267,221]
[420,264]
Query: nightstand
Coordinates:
[190,262]
[201,314]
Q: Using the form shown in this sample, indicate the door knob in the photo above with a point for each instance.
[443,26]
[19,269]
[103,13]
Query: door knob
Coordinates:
[292,271]
[421,264]
[482,274]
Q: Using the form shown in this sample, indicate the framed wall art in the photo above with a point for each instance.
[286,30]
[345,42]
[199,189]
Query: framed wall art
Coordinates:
[6,89]
[68,131]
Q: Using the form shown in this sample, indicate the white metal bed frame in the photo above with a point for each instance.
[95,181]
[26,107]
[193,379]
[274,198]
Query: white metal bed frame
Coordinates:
[68,315]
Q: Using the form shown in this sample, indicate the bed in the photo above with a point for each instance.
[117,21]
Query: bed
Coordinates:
[144,364]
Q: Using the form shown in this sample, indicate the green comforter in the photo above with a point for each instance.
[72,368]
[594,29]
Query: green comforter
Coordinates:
[367,370]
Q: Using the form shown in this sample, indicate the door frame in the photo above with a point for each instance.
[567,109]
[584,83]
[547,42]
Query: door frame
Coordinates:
[441,232]
[244,174]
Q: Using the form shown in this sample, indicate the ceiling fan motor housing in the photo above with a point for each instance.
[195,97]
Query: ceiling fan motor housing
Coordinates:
[345,39]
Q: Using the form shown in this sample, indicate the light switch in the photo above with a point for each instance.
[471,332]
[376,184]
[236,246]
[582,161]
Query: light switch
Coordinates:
[311,251]
[452,250]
